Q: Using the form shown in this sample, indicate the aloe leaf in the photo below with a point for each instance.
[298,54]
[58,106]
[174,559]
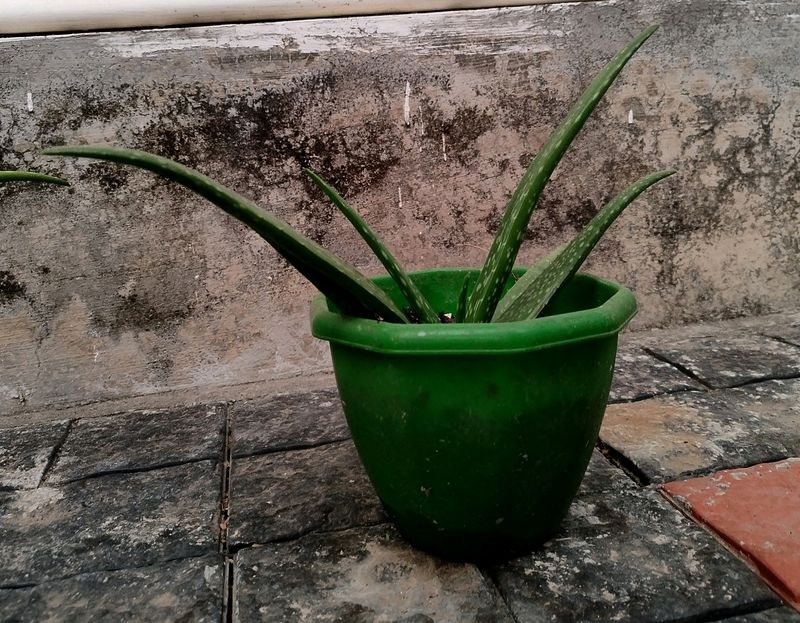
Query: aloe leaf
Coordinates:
[529,303]
[506,244]
[419,304]
[461,308]
[351,291]
[30,176]
[524,282]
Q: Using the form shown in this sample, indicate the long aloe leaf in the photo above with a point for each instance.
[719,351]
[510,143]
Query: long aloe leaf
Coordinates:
[529,303]
[525,282]
[343,284]
[30,176]
[419,304]
[505,246]
[461,307]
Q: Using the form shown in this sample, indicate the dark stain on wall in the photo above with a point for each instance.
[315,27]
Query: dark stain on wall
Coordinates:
[556,211]
[109,177]
[259,134]
[539,106]
[160,368]
[492,221]
[79,103]
[461,129]
[6,145]
[34,190]
[139,313]
[293,113]
[10,288]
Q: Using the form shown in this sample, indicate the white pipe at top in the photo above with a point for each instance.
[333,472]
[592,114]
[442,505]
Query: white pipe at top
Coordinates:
[39,16]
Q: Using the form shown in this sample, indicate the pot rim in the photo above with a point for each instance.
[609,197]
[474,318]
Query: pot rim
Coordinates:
[604,320]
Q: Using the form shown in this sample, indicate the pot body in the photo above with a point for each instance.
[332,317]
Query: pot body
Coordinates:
[476,447]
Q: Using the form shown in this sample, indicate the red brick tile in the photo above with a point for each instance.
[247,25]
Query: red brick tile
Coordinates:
[757,510]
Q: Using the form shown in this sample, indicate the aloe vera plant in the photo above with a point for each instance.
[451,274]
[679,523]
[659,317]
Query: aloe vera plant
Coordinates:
[356,295]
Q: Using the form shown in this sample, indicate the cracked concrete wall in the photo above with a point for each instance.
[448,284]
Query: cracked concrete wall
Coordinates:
[127,285]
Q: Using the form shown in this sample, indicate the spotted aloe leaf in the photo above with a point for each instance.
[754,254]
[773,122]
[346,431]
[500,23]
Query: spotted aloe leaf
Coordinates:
[531,300]
[525,282]
[506,244]
[419,304]
[461,306]
[351,291]
[30,176]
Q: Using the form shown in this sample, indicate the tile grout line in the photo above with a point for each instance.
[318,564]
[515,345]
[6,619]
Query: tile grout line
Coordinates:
[789,376]
[112,569]
[721,615]
[55,453]
[764,575]
[701,390]
[489,576]
[238,547]
[322,374]
[623,463]
[782,340]
[16,587]
[706,386]
[704,472]
[224,518]
[656,394]
[679,367]
[225,489]
[291,448]
[137,470]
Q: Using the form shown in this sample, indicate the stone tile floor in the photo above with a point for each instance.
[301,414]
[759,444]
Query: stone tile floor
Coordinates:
[260,511]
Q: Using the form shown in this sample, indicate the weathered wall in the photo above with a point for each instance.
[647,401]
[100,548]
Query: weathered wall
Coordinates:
[126,284]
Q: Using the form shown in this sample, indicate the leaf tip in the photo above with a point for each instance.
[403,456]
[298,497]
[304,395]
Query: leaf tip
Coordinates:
[33,177]
[63,150]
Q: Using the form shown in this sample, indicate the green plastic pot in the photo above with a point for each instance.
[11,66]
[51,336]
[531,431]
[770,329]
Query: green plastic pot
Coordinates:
[476,436]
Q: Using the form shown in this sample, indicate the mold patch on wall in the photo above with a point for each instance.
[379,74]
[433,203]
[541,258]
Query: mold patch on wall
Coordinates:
[424,123]
[10,288]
